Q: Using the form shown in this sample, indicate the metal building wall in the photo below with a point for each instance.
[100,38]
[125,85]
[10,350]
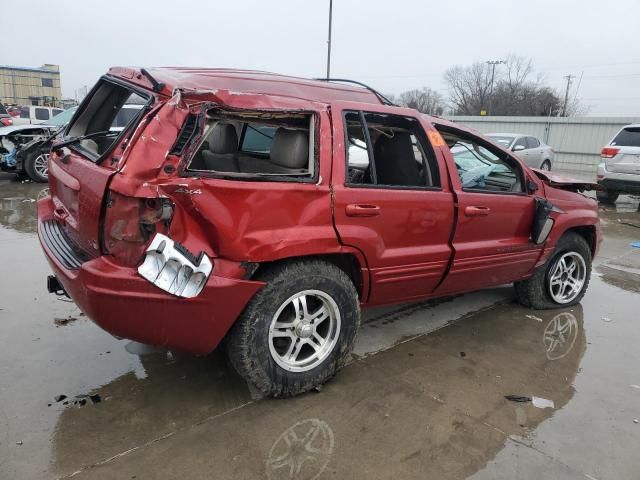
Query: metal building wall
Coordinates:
[23,85]
[577,141]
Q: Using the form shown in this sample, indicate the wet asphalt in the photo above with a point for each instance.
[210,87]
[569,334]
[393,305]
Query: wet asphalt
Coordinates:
[423,396]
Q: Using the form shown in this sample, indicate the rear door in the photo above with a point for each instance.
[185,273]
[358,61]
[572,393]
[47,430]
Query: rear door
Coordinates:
[391,201]
[627,159]
[495,215]
[79,173]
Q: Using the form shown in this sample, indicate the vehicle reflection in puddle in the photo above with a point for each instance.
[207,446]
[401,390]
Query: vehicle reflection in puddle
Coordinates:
[395,413]
[302,451]
[560,335]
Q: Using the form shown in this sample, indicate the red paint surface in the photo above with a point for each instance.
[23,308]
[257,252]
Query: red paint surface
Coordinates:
[419,244]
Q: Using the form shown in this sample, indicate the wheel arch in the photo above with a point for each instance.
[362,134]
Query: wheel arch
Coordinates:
[348,262]
[588,232]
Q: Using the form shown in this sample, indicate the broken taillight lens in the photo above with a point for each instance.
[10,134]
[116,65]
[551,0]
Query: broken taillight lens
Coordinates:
[609,152]
[130,223]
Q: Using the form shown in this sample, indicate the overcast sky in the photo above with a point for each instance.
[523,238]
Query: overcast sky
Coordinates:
[392,45]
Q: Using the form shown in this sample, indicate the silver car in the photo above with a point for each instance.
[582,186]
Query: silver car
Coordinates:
[533,151]
[619,169]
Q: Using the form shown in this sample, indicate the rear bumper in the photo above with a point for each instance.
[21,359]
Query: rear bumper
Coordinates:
[619,182]
[124,304]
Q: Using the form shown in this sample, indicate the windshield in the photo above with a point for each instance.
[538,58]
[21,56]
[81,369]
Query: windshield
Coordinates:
[503,141]
[62,118]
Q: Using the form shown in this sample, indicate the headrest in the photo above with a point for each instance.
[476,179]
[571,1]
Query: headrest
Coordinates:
[290,148]
[223,139]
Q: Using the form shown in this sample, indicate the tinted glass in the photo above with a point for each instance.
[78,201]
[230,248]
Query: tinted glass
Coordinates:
[42,114]
[2,109]
[258,138]
[533,142]
[521,141]
[24,112]
[628,137]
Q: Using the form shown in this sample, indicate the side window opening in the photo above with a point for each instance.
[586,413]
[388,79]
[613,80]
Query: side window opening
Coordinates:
[257,144]
[111,109]
[42,114]
[533,142]
[480,167]
[398,146]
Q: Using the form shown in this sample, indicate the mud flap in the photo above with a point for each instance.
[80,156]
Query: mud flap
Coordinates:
[542,221]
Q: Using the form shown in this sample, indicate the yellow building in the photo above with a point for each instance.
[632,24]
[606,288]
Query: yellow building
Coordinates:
[30,86]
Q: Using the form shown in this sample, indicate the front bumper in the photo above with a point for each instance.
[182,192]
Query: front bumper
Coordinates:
[126,305]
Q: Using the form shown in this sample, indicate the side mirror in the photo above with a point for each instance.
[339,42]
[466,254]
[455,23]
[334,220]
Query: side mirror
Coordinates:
[517,148]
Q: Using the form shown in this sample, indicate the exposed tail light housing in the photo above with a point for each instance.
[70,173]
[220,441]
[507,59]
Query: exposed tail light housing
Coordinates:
[130,224]
[174,269]
[609,152]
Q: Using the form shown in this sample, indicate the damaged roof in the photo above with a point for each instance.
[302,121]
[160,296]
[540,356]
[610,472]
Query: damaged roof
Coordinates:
[248,81]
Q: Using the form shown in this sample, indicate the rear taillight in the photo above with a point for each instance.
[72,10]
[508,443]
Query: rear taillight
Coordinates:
[130,224]
[609,152]
[6,122]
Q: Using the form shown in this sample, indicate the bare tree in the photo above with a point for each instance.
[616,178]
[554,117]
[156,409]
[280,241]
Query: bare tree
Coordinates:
[469,88]
[515,92]
[425,100]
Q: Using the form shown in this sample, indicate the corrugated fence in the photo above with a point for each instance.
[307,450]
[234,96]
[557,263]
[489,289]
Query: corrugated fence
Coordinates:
[577,141]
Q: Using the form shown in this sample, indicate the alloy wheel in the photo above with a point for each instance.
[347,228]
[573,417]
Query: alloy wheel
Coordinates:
[304,330]
[41,165]
[567,277]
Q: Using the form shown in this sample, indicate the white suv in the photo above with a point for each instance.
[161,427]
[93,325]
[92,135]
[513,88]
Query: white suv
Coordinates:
[619,170]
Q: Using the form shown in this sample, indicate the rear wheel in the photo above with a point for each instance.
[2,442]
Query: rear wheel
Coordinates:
[298,330]
[37,166]
[563,280]
[607,196]
[546,165]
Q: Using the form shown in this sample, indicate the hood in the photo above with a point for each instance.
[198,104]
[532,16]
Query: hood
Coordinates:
[565,183]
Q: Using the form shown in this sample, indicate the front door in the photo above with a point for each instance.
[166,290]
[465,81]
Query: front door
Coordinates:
[495,215]
[390,202]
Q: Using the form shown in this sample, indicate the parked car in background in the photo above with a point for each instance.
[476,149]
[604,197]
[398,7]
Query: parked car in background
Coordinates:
[34,114]
[32,158]
[532,150]
[5,119]
[619,169]
[229,207]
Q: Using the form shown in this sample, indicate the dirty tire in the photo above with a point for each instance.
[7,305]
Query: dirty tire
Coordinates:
[534,292]
[248,342]
[34,169]
[607,196]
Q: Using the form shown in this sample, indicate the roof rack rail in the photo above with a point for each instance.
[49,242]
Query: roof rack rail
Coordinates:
[384,100]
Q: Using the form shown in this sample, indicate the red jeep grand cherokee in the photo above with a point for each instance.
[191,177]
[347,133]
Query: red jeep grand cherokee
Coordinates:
[267,210]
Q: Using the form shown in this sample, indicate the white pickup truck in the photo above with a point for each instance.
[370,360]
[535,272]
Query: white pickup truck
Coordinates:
[35,114]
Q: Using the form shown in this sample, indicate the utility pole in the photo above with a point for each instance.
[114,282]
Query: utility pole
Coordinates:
[329,40]
[566,94]
[493,64]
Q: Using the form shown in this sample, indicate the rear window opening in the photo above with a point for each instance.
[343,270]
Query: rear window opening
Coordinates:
[110,110]
[256,144]
[628,137]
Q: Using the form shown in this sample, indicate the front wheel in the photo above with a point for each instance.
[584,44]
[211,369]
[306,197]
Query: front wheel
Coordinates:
[562,281]
[37,167]
[298,330]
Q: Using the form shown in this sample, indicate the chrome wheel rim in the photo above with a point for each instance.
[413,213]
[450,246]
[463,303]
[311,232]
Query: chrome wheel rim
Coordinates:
[304,330]
[567,278]
[545,166]
[41,165]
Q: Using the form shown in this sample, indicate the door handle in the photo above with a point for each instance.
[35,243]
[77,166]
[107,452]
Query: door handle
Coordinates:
[474,211]
[354,210]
